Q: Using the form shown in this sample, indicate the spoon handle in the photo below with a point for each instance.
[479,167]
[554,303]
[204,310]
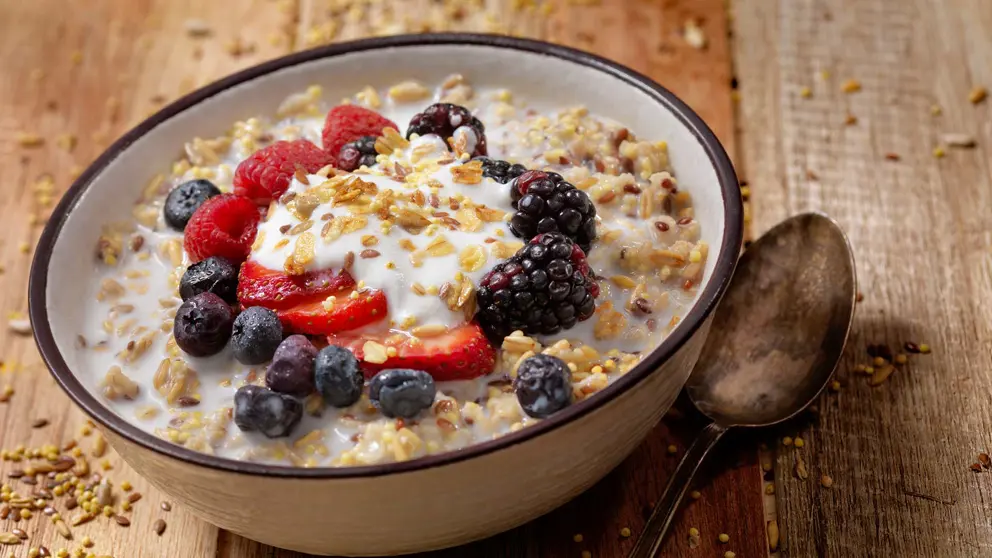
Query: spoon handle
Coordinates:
[651,538]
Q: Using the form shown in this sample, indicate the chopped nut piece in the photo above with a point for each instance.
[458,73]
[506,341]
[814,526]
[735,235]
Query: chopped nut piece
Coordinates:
[408,92]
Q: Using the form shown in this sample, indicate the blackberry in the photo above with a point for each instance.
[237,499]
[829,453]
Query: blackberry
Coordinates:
[543,385]
[545,203]
[357,153]
[545,287]
[448,120]
[500,171]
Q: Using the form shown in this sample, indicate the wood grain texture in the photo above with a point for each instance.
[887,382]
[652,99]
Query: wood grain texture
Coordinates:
[94,69]
[898,454]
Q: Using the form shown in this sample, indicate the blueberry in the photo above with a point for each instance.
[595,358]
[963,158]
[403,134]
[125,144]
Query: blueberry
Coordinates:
[337,376]
[402,393]
[186,198]
[543,385]
[203,325]
[291,371]
[258,409]
[256,335]
[214,274]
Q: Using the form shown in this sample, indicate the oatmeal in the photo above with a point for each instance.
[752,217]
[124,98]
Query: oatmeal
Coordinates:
[390,277]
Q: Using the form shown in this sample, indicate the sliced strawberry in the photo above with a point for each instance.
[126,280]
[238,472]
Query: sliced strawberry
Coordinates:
[460,354]
[261,286]
[347,313]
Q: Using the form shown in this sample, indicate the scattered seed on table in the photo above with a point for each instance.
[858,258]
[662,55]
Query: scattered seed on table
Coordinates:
[729,554]
[976,468]
[695,495]
[586,554]
[20,533]
[625,532]
[43,551]
[826,481]
[924,349]
[850,86]
[901,359]
[166,506]
[39,423]
[772,531]
[798,442]
[159,527]
[63,529]
[578,537]
[87,542]
[892,156]
[723,537]
[985,460]
[122,521]
[977,95]
[787,441]
[672,450]
[769,489]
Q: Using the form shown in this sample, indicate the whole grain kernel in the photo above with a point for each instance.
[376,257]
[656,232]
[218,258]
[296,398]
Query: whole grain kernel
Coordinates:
[723,537]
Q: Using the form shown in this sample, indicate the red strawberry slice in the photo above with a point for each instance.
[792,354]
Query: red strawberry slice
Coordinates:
[462,353]
[261,286]
[347,313]
[347,123]
[225,226]
[267,173]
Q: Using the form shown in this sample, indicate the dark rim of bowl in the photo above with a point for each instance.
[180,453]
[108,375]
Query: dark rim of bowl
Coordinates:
[708,298]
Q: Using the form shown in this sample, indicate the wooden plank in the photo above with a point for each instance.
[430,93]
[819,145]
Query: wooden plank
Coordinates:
[64,62]
[898,454]
[133,56]
[646,36]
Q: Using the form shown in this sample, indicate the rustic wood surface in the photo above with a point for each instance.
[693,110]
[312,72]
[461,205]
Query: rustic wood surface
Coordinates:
[898,454]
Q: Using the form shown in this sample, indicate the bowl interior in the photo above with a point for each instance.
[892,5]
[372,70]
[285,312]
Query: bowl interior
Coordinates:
[544,81]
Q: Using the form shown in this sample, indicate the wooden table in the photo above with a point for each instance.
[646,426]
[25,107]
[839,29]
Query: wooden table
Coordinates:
[916,207]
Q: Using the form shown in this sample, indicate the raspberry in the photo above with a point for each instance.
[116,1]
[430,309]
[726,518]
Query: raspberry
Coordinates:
[448,121]
[223,226]
[545,287]
[348,123]
[266,174]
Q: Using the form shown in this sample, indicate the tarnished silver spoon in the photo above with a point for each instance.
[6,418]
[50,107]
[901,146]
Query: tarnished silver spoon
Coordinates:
[775,340]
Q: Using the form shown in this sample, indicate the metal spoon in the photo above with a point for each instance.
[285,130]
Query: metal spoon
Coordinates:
[775,341]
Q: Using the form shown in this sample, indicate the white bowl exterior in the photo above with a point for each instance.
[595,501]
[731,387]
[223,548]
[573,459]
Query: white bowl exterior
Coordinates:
[113,192]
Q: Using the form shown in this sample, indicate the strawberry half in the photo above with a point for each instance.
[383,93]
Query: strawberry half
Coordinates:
[261,286]
[347,313]
[460,354]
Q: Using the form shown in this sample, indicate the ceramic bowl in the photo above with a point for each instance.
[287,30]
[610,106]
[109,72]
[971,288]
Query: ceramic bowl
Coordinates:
[441,500]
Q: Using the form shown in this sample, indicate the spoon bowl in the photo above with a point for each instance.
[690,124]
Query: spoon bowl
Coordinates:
[781,327]
[774,343]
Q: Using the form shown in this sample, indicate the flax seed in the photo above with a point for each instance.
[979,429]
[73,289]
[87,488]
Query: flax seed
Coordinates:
[159,527]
